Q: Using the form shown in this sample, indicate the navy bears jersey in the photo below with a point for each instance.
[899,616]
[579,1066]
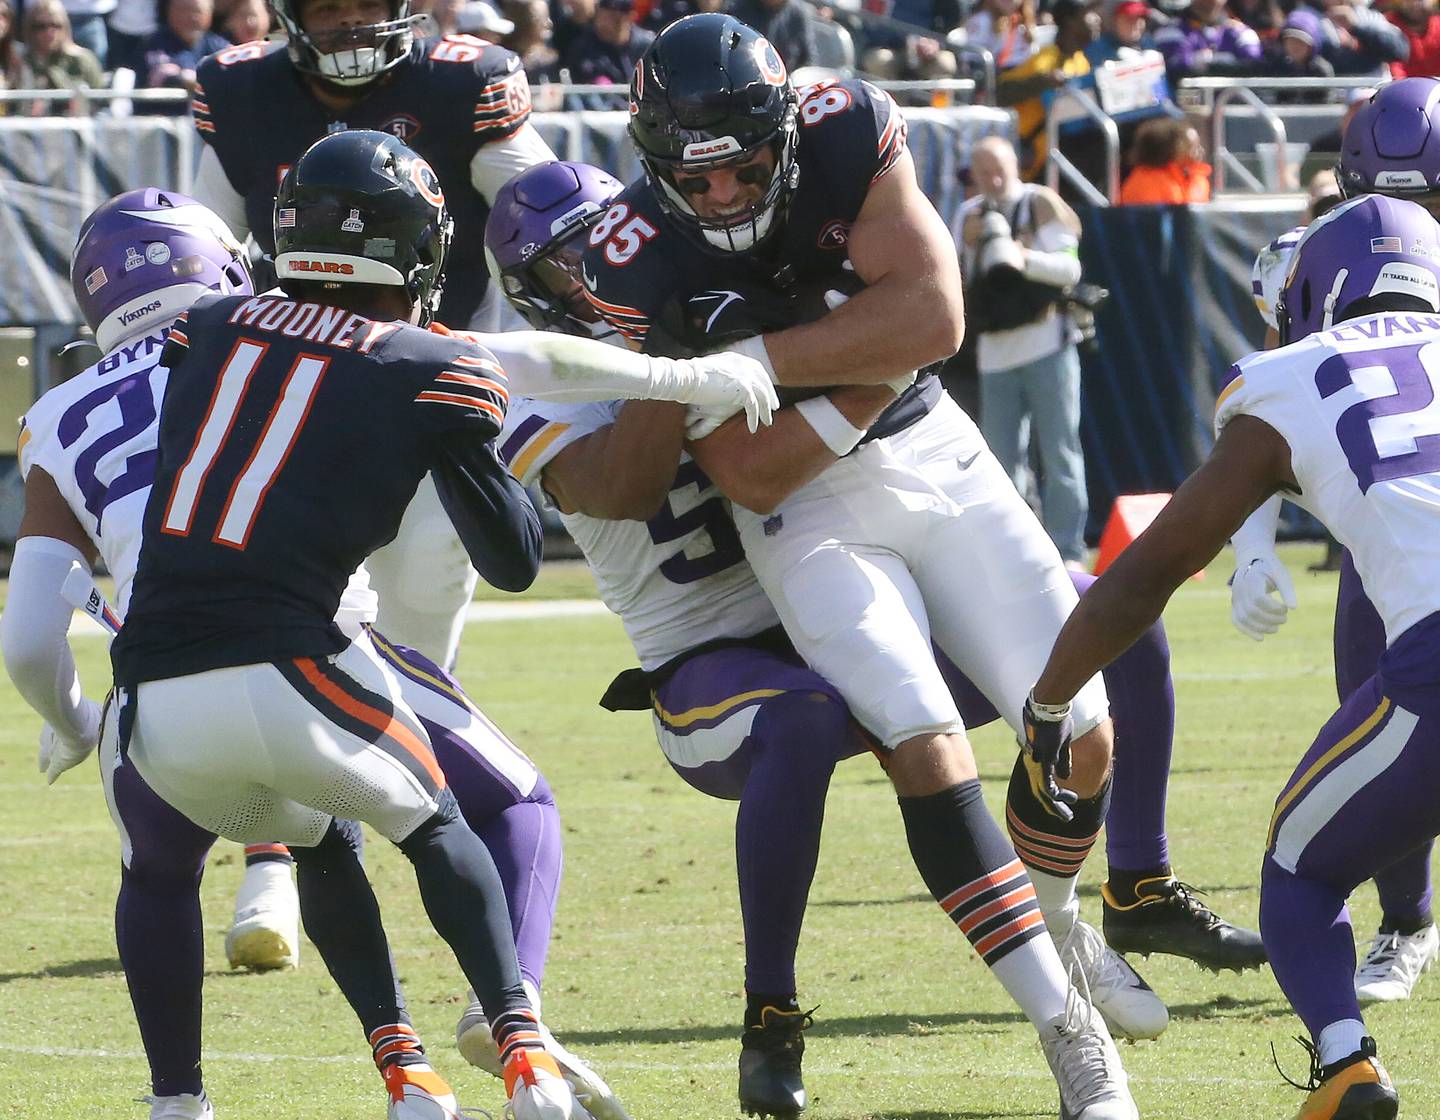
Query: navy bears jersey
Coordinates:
[292,437]
[851,134]
[446,100]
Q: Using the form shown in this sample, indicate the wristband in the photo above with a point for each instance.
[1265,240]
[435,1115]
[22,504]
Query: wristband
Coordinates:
[1047,713]
[754,347]
[835,432]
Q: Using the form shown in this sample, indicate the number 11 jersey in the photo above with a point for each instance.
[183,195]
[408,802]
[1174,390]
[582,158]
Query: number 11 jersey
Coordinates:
[1359,406]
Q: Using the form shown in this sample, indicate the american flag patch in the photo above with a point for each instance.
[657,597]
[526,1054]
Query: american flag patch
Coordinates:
[285,218]
[95,281]
[1385,245]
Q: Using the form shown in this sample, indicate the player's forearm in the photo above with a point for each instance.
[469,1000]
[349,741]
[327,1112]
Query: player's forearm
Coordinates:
[625,471]
[896,325]
[492,515]
[566,369]
[760,471]
[33,632]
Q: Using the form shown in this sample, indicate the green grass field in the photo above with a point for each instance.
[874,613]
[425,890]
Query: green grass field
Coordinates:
[644,975]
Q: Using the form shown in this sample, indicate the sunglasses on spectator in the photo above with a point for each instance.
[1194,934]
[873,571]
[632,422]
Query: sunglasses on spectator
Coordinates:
[752,175]
[46,26]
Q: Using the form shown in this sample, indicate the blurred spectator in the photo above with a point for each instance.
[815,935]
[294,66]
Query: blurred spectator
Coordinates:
[1207,40]
[482,20]
[130,24]
[1355,100]
[247,21]
[531,41]
[569,20]
[53,60]
[1030,87]
[1420,23]
[444,14]
[1124,31]
[1170,167]
[905,42]
[1360,41]
[10,63]
[1324,192]
[1265,16]
[172,53]
[1005,28]
[1296,54]
[786,23]
[607,51]
[90,26]
[1020,252]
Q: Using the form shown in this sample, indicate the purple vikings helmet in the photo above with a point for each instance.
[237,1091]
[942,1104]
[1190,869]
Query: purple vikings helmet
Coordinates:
[1392,145]
[147,255]
[1369,246]
[534,239]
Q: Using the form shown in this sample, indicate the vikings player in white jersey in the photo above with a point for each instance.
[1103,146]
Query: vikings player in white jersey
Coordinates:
[730,698]
[1340,419]
[1391,147]
[88,453]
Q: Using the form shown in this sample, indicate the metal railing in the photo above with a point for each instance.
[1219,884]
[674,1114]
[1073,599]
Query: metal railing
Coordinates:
[1057,163]
[1224,159]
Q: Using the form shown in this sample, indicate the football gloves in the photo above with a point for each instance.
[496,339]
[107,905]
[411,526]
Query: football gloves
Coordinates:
[59,753]
[1046,746]
[1261,595]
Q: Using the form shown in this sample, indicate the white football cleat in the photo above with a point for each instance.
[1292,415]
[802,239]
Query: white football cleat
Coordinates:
[1129,1006]
[265,933]
[477,1046]
[538,1090]
[185,1106]
[1082,1056]
[417,1092]
[1394,965]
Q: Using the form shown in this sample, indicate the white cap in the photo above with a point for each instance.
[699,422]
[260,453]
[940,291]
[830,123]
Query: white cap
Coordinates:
[477,16]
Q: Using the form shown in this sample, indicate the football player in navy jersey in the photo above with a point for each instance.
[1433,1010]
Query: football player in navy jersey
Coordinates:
[913,532]
[292,437]
[464,105]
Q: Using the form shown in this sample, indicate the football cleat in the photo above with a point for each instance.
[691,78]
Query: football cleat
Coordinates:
[1169,918]
[1129,1006]
[265,933]
[185,1106]
[538,1090]
[417,1092]
[770,1054]
[1354,1088]
[1394,965]
[1086,1065]
[477,1046]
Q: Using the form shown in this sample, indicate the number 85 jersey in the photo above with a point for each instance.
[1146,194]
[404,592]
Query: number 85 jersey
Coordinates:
[676,581]
[95,435]
[1359,406]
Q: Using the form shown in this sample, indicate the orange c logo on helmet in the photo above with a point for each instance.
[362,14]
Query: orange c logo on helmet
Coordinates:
[772,69]
[427,182]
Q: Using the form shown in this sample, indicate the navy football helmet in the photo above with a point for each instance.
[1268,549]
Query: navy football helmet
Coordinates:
[351,57]
[360,207]
[710,91]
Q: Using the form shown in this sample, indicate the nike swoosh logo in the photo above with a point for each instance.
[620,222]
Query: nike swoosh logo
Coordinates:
[725,298]
[589,281]
[964,464]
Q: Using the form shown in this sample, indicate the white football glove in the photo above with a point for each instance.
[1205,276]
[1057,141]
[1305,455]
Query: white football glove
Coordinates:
[1261,595]
[59,753]
[724,381]
[701,420]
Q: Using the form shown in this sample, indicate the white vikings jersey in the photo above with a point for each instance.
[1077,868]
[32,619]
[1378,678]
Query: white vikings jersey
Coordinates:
[96,435]
[1359,406]
[1267,277]
[677,580]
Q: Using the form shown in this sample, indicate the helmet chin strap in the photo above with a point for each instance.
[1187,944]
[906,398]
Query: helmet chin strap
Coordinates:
[1328,319]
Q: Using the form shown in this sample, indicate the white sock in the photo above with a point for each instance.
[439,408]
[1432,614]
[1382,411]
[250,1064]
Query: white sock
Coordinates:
[1340,1040]
[534,993]
[261,879]
[1035,979]
[1058,901]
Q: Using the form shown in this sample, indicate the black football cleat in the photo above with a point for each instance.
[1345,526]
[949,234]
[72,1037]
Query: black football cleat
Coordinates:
[1168,918]
[770,1053]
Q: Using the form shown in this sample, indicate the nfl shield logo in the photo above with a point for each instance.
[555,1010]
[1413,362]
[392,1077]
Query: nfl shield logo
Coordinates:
[353,223]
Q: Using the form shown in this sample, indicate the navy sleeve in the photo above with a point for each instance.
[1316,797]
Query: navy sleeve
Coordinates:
[490,511]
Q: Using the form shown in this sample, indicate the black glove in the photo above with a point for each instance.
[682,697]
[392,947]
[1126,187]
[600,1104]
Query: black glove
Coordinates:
[1046,747]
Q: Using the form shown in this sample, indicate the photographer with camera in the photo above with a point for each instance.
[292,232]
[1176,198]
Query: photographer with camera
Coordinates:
[1020,247]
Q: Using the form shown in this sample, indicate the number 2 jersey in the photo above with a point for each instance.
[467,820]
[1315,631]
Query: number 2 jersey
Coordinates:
[292,437]
[1359,406]
[446,99]
[678,580]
